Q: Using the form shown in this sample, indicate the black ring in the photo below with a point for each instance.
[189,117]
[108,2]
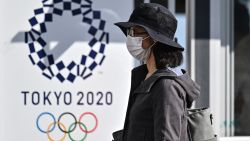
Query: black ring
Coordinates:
[66,128]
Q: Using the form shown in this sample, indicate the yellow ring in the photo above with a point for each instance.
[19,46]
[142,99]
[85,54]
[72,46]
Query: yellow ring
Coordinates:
[64,128]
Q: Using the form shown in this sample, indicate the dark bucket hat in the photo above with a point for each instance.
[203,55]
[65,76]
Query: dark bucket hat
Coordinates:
[157,20]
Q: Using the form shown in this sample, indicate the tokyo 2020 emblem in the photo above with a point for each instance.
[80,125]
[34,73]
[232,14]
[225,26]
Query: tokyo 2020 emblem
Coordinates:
[67,68]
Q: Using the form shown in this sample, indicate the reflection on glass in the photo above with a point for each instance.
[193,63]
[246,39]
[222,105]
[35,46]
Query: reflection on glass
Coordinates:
[242,67]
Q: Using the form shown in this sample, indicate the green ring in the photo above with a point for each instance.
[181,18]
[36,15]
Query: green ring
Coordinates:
[84,128]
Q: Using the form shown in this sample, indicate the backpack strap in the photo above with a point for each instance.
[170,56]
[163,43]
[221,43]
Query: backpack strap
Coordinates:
[162,75]
[184,104]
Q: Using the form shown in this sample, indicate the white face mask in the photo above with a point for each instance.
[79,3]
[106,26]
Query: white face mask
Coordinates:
[134,46]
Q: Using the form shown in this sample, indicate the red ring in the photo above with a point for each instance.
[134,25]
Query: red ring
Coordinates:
[90,113]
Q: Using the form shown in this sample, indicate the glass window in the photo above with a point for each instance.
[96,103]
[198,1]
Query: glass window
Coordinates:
[242,67]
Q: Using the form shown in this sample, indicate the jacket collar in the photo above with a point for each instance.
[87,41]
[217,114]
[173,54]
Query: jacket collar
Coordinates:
[146,85]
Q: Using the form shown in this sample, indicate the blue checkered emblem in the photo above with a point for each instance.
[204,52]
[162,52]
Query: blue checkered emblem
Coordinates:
[59,68]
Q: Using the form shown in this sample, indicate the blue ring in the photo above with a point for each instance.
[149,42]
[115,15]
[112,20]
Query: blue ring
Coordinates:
[45,113]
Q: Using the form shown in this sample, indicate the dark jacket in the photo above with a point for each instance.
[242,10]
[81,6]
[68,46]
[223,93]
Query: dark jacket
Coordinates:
[156,107]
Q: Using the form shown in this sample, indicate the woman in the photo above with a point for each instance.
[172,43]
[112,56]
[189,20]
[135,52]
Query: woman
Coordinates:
[156,104]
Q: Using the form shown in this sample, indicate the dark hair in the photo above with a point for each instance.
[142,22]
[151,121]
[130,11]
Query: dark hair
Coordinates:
[167,56]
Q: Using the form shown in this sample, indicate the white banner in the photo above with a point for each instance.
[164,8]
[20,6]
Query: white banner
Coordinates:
[65,71]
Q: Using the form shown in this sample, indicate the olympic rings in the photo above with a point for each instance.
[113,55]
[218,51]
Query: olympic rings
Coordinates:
[63,128]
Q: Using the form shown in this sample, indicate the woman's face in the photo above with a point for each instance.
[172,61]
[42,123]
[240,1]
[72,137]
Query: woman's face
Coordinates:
[141,32]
